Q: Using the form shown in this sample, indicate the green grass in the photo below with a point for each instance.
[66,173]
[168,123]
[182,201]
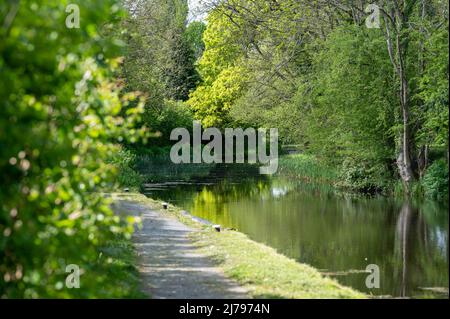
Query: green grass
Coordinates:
[307,168]
[260,269]
[120,267]
[312,171]
[266,273]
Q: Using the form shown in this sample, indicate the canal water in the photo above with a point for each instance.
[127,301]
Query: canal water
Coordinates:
[338,235]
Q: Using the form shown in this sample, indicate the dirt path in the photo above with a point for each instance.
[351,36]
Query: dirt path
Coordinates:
[168,262]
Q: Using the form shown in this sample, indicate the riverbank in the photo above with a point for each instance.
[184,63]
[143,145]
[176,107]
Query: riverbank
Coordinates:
[307,168]
[353,181]
[260,270]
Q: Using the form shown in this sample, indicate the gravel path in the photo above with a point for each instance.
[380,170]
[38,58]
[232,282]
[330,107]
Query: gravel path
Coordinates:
[169,264]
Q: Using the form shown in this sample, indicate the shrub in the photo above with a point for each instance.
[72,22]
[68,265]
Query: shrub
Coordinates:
[171,115]
[435,181]
[362,176]
[125,161]
[61,118]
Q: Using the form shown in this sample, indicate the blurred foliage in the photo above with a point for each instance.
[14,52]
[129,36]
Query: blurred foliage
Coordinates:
[63,112]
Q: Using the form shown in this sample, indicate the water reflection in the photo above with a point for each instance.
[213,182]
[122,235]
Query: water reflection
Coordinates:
[338,235]
[404,237]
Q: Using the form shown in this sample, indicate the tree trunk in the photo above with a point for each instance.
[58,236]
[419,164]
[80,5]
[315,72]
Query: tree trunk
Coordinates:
[397,43]
[423,160]
[404,158]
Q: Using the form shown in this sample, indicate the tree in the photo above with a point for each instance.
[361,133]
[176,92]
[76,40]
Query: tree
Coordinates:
[374,97]
[404,26]
[222,77]
[194,36]
[160,63]
[61,120]
[159,60]
[397,15]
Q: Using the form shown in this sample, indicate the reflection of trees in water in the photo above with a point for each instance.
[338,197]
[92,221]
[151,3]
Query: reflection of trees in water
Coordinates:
[304,221]
[213,200]
[159,168]
[414,249]
[403,241]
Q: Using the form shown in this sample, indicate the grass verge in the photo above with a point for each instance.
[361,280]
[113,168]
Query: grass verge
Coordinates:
[307,168]
[120,258]
[258,268]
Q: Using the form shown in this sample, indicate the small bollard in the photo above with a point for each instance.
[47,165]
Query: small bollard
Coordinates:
[165,205]
[184,213]
[217,228]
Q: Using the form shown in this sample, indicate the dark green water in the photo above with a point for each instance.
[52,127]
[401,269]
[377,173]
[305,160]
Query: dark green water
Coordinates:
[339,236]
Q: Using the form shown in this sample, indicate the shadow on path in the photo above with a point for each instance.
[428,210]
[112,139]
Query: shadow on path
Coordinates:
[168,262]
